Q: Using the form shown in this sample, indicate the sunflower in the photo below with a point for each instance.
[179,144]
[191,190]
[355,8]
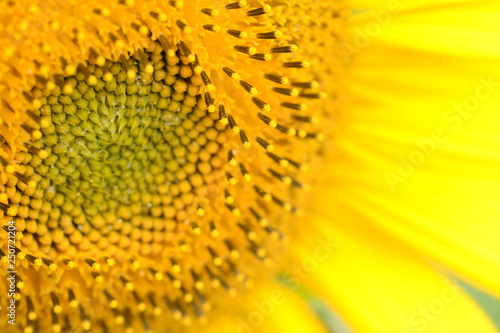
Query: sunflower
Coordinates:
[160,158]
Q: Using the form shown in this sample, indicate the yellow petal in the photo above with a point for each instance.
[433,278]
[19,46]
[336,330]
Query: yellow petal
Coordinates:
[378,286]
[417,150]
[401,4]
[461,27]
[270,308]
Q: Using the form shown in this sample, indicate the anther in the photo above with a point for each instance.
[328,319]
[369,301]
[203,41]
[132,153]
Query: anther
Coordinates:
[30,308]
[113,303]
[176,283]
[285,179]
[259,11]
[248,87]
[206,81]
[286,91]
[56,327]
[35,134]
[217,261]
[178,4]
[209,101]
[305,119]
[195,229]
[184,27]
[141,29]
[296,64]
[230,158]
[270,122]
[235,211]
[269,35]
[186,51]
[222,115]
[276,78]
[245,49]
[165,44]
[261,56]
[34,260]
[294,106]
[251,235]
[239,276]
[156,274]
[72,299]
[228,197]
[232,124]
[19,282]
[262,221]
[244,173]
[233,252]
[286,130]
[198,284]
[230,178]
[104,327]
[130,72]
[210,12]
[176,268]
[281,161]
[7,167]
[50,264]
[119,318]
[156,308]
[126,283]
[306,85]
[42,153]
[237,33]
[313,95]
[284,49]
[99,60]
[261,104]
[214,280]
[97,277]
[213,229]
[69,263]
[141,305]
[244,139]
[229,72]
[285,205]
[200,211]
[24,179]
[236,5]
[56,306]
[211,27]
[266,196]
[174,308]
[160,17]
[93,264]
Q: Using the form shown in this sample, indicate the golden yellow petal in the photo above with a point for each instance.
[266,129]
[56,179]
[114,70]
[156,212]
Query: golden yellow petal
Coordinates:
[271,308]
[378,285]
[417,152]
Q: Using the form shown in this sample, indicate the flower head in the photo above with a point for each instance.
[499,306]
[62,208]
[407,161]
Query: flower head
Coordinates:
[155,154]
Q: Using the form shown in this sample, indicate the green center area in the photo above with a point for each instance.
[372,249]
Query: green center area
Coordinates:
[131,148]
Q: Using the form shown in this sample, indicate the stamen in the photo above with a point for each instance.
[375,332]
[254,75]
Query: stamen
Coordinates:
[245,49]
[236,5]
[276,78]
[284,49]
[269,35]
[296,64]
[286,91]
[237,33]
[259,11]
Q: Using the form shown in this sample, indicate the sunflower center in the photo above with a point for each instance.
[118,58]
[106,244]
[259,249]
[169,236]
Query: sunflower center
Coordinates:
[153,158]
[125,151]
